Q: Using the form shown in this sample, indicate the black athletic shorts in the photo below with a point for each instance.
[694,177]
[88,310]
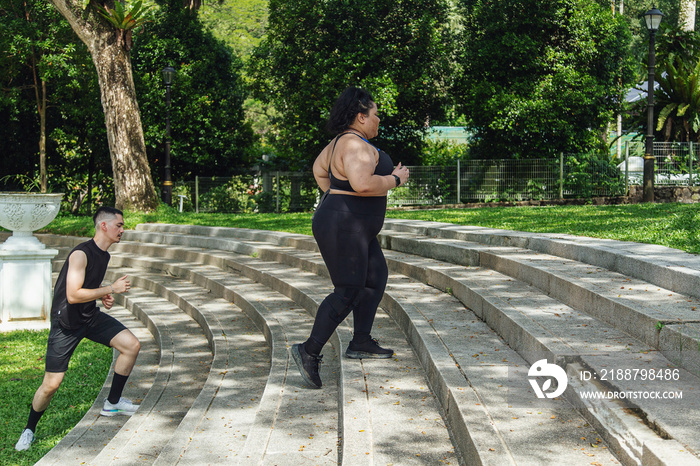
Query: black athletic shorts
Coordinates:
[62,342]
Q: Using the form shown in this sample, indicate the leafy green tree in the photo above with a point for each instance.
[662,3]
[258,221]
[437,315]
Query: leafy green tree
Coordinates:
[540,77]
[238,23]
[677,100]
[400,50]
[50,94]
[133,183]
[39,52]
[209,134]
[241,24]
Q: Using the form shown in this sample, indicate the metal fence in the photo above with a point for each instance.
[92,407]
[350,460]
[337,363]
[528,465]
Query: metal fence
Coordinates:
[509,180]
[255,192]
[571,176]
[676,163]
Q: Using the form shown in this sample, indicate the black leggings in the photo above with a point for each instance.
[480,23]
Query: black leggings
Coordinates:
[345,228]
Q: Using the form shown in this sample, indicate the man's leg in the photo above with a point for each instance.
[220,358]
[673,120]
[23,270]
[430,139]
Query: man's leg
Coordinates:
[49,386]
[128,346]
[42,398]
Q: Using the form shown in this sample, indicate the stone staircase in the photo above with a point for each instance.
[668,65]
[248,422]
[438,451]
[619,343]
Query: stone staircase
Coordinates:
[467,310]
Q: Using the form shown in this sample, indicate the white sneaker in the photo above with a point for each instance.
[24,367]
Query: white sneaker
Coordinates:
[25,440]
[124,407]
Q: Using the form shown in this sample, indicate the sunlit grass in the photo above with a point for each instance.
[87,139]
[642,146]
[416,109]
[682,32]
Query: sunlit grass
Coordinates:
[673,225]
[21,372]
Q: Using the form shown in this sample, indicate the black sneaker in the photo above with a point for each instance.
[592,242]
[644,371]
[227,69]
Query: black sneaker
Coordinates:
[368,349]
[307,364]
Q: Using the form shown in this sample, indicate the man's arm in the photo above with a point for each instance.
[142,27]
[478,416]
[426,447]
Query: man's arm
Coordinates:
[75,278]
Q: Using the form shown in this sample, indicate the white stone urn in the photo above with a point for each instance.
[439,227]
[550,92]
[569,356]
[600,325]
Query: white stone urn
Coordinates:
[23,213]
[25,263]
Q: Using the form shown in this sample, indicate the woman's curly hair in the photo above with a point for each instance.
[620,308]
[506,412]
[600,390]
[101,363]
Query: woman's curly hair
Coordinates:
[352,101]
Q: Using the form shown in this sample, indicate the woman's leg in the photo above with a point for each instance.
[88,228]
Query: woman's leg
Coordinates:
[345,251]
[371,295]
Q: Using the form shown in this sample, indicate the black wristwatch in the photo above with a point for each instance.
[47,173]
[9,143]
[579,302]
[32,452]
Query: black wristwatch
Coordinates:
[398,180]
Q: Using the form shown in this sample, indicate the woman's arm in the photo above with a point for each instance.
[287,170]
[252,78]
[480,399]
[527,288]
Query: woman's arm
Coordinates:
[359,162]
[321,171]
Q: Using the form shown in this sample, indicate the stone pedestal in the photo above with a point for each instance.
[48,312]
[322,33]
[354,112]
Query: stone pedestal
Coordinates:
[25,263]
[25,285]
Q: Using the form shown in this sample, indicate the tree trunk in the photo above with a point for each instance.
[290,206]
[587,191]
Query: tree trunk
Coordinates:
[42,139]
[133,185]
[686,15]
[40,96]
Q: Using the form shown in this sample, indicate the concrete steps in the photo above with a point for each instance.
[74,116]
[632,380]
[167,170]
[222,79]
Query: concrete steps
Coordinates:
[467,310]
[462,411]
[288,426]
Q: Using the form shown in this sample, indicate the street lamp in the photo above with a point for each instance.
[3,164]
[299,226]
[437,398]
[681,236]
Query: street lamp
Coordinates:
[168,75]
[653,19]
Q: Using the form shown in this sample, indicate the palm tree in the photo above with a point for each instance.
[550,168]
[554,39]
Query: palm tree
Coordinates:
[679,99]
[679,85]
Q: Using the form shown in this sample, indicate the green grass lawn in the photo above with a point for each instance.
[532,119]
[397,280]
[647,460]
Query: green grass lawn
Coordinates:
[21,359]
[21,372]
[673,225]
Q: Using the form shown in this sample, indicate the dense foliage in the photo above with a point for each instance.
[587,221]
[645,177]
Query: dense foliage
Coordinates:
[533,78]
[39,45]
[541,77]
[208,132]
[238,23]
[400,50]
[678,73]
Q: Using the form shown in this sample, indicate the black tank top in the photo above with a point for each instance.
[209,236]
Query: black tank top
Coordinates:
[384,167]
[73,316]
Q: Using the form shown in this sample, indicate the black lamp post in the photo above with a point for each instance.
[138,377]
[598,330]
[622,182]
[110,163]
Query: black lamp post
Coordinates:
[653,19]
[168,75]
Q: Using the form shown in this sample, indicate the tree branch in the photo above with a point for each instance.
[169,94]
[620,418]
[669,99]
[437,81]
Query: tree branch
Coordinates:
[83,22]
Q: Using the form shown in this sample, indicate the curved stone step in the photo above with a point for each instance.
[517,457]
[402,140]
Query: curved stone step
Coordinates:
[642,440]
[168,402]
[283,320]
[483,438]
[507,287]
[659,265]
[663,319]
[305,287]
[142,263]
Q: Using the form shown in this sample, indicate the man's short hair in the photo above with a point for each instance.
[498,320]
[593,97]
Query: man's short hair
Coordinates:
[105,213]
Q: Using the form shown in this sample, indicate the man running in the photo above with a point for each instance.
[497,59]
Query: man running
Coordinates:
[75,315]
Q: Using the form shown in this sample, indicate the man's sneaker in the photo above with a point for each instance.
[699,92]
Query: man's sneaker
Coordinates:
[368,349]
[25,440]
[307,364]
[124,407]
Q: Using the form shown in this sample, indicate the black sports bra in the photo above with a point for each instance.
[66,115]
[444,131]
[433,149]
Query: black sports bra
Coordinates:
[384,166]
